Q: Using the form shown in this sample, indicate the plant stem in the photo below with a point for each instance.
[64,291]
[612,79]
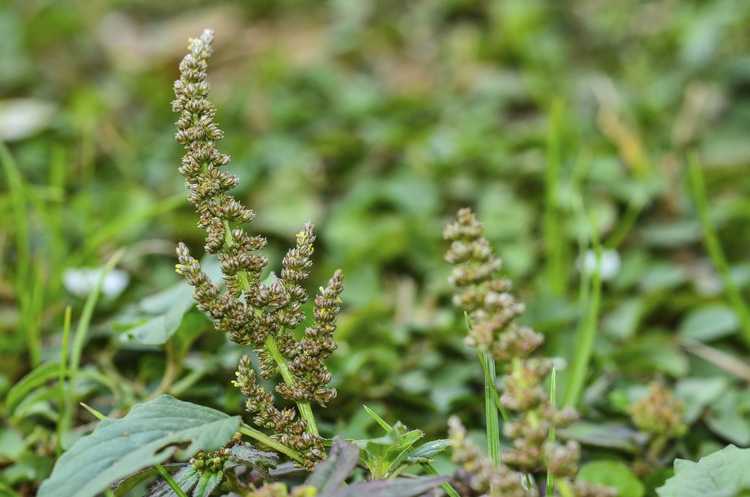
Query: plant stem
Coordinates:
[171,370]
[554,244]
[304,408]
[170,481]
[715,252]
[447,487]
[587,331]
[552,433]
[270,442]
[79,339]
[65,392]
[492,419]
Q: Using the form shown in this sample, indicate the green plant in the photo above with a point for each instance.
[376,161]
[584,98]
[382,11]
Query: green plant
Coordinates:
[121,453]
[251,311]
[532,416]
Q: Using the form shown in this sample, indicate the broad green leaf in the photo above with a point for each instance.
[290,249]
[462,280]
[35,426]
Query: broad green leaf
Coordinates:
[721,474]
[148,435]
[615,474]
[34,379]
[709,323]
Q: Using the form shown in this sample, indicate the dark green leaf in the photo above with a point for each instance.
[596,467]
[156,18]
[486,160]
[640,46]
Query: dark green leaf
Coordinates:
[148,435]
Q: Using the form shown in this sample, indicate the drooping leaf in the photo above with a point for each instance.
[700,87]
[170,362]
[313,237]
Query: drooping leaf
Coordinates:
[148,435]
[400,487]
[614,474]
[329,475]
[721,474]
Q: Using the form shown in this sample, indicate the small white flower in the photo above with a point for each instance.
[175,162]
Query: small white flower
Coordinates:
[610,263]
[80,281]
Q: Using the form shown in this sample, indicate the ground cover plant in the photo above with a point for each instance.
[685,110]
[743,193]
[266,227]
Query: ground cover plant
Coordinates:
[597,150]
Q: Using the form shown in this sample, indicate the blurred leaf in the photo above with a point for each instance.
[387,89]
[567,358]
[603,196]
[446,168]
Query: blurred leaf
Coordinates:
[610,435]
[651,353]
[154,320]
[709,323]
[614,474]
[34,379]
[729,416]
[699,393]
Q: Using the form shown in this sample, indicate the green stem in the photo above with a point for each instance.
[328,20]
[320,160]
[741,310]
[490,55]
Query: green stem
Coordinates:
[79,339]
[447,487]
[554,243]
[65,401]
[170,481]
[492,419]
[304,408]
[270,442]
[586,334]
[552,437]
[715,252]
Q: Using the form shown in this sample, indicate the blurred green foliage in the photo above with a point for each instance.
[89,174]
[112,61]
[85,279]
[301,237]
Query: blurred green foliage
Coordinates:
[375,121]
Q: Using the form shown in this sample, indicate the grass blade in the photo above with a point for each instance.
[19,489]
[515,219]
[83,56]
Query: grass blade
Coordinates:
[715,252]
[492,418]
[79,339]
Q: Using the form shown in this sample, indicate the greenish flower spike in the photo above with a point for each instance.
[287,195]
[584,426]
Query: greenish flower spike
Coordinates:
[492,311]
[253,313]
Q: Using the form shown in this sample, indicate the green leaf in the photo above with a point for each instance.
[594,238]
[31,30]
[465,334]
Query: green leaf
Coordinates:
[698,393]
[721,474]
[427,451]
[34,379]
[609,435]
[145,437]
[615,474]
[709,323]
[728,416]
[154,320]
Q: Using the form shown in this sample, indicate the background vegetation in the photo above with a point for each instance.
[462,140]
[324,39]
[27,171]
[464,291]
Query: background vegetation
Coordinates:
[563,123]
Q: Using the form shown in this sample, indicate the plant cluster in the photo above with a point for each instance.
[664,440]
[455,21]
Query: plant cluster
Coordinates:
[251,311]
[532,415]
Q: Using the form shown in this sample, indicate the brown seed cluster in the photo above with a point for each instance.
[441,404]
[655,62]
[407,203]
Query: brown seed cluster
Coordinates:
[250,310]
[492,312]
[478,471]
[659,413]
